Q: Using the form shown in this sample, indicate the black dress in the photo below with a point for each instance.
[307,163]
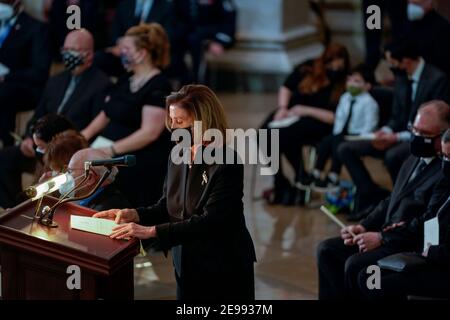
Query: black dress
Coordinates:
[141,184]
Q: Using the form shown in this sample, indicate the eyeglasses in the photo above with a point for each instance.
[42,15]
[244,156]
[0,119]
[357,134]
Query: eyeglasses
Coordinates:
[416,132]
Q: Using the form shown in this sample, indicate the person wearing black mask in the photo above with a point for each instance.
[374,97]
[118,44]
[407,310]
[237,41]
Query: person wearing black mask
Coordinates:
[74,93]
[417,82]
[341,259]
[433,278]
[311,92]
[42,132]
[24,64]
[132,115]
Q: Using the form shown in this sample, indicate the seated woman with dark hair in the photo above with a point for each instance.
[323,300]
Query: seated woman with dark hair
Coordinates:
[311,93]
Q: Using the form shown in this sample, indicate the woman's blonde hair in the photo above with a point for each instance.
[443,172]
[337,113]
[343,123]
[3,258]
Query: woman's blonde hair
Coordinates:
[153,38]
[202,104]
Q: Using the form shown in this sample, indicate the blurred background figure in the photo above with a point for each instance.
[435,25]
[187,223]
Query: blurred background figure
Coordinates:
[311,92]
[201,26]
[130,13]
[132,115]
[396,12]
[57,19]
[14,161]
[24,64]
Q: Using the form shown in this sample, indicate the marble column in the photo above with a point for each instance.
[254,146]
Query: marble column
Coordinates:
[273,36]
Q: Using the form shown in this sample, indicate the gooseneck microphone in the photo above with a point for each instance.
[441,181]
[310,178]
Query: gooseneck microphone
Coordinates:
[125,161]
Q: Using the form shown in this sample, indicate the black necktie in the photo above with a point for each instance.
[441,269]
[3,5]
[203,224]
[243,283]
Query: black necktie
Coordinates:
[422,165]
[409,99]
[349,117]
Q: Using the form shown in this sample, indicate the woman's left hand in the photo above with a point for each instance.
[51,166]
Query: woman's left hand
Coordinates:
[134,230]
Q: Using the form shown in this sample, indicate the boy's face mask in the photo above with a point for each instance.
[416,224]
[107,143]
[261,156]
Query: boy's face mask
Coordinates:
[355,87]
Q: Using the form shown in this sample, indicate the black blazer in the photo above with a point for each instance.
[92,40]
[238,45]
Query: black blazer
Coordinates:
[109,198]
[407,200]
[203,222]
[26,53]
[160,12]
[410,236]
[433,84]
[84,103]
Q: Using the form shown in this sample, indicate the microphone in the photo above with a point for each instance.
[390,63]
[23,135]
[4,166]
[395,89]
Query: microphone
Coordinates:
[125,161]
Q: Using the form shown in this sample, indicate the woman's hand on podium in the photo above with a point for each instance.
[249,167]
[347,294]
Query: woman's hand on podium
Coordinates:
[119,215]
[133,230]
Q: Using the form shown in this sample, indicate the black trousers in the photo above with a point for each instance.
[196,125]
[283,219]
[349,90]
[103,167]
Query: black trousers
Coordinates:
[368,192]
[339,267]
[12,164]
[431,281]
[239,285]
[305,132]
[329,147]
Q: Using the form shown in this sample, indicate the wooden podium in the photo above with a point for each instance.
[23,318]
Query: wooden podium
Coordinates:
[34,259]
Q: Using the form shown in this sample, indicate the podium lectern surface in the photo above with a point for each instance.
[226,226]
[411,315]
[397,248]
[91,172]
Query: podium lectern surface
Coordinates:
[32,252]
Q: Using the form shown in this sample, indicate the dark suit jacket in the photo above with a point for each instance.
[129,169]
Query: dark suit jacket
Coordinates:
[160,12]
[409,237]
[407,200]
[432,37]
[202,222]
[82,106]
[26,53]
[109,198]
[433,84]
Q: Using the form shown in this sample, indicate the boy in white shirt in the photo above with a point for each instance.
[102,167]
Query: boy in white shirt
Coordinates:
[356,114]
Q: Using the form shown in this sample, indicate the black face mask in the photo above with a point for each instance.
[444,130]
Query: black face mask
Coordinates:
[335,75]
[422,147]
[446,168]
[72,59]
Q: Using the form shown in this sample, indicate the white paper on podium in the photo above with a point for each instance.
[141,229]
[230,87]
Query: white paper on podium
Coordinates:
[93,225]
[101,142]
[361,137]
[283,123]
[4,70]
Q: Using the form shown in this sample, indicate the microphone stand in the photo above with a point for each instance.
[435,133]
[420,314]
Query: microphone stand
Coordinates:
[46,217]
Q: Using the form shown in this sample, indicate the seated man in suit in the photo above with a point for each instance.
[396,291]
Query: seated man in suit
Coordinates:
[416,82]
[433,279]
[340,259]
[24,64]
[107,196]
[128,14]
[74,93]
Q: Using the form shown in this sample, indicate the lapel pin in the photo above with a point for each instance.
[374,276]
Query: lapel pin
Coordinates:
[204,178]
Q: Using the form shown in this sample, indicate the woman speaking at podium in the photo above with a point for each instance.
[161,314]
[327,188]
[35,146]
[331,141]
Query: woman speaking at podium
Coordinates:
[200,216]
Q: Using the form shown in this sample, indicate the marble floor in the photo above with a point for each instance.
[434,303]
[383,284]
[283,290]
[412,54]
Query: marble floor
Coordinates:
[285,237]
